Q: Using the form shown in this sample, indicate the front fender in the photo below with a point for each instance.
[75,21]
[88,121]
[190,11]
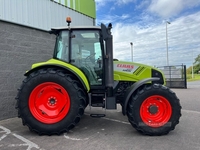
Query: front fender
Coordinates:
[60,64]
[132,89]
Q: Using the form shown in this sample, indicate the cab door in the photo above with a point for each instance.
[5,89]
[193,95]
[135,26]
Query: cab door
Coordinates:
[86,54]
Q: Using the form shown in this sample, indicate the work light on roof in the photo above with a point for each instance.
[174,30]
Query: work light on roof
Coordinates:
[68,20]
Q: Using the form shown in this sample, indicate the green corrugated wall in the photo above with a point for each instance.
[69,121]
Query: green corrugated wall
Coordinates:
[87,7]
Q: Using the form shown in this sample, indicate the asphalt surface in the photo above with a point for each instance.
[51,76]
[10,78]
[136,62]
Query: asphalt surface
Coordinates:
[112,132]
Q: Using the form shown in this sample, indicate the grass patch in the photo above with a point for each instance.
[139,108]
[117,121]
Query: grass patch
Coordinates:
[195,77]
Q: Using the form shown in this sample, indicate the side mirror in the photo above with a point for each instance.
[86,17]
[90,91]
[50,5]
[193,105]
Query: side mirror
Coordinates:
[106,31]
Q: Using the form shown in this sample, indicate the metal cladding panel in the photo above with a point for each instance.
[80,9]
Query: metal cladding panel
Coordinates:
[41,14]
[87,7]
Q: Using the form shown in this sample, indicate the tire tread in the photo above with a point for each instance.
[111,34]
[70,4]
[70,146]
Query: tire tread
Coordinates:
[133,100]
[69,78]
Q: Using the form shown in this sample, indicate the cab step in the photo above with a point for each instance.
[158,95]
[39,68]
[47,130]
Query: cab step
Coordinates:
[98,105]
[97,115]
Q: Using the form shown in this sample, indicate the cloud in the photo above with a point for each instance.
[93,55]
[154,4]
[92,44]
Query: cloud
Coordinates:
[143,4]
[101,3]
[170,8]
[150,42]
[121,2]
[112,18]
[145,26]
[125,16]
[117,1]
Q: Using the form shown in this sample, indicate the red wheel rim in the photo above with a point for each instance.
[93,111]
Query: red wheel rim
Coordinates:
[49,102]
[155,111]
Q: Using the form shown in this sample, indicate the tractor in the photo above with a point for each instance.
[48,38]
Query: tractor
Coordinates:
[82,72]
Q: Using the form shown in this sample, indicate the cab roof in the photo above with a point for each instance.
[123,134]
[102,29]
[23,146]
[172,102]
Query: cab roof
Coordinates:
[57,29]
[75,27]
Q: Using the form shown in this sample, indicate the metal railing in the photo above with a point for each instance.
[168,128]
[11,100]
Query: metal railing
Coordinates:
[175,76]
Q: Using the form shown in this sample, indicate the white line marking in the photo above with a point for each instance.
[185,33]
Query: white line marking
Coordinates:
[75,139]
[5,131]
[115,120]
[191,111]
[125,122]
[17,145]
[30,144]
[27,142]
[3,136]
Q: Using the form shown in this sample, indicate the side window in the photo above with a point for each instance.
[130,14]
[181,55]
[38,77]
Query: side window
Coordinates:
[62,49]
[98,56]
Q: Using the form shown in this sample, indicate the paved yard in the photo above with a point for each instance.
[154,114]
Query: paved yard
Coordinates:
[112,132]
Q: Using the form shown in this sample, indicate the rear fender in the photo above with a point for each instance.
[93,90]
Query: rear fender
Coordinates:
[72,69]
[132,89]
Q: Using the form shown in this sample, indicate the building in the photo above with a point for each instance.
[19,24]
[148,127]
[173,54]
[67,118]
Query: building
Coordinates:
[24,39]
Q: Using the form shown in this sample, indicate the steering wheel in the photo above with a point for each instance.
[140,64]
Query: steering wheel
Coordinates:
[89,58]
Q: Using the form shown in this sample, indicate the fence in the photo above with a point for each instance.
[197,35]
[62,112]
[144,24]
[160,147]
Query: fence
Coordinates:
[175,76]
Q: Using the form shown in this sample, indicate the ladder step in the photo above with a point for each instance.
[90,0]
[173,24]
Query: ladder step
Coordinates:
[97,115]
[98,105]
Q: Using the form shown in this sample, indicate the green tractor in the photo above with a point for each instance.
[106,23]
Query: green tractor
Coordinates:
[82,72]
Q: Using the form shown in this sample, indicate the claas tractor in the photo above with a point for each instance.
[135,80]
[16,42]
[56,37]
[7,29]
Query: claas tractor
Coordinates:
[54,95]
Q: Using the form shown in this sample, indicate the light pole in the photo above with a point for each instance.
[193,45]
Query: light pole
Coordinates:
[167,22]
[131,51]
[192,65]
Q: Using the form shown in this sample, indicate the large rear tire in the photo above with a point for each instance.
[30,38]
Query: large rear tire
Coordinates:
[154,110]
[50,101]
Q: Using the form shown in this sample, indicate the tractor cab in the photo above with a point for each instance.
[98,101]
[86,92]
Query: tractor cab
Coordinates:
[83,48]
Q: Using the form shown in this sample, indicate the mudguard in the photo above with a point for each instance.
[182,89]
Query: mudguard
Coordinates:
[57,63]
[132,89]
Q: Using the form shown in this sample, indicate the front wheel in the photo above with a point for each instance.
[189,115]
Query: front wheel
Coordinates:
[154,110]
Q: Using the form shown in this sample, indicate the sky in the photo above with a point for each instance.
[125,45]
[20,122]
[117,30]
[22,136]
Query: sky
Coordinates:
[143,22]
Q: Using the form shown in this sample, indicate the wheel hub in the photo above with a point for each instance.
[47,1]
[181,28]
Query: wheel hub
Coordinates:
[52,101]
[153,109]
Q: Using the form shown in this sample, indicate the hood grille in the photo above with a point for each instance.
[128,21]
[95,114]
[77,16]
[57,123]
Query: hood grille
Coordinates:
[139,70]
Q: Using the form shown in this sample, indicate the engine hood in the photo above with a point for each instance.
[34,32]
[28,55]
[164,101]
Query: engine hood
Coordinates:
[130,71]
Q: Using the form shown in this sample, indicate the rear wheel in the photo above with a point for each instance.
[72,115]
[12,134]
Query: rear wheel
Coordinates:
[154,110]
[50,101]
